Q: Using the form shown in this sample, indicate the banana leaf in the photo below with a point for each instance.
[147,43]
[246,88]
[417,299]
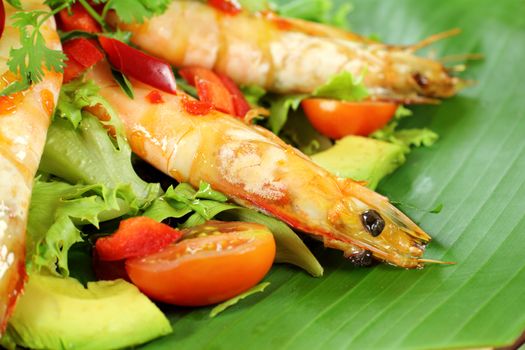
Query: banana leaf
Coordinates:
[476,170]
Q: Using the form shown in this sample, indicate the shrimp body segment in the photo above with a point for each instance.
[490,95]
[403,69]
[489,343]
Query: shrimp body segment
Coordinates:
[288,56]
[24,119]
[256,169]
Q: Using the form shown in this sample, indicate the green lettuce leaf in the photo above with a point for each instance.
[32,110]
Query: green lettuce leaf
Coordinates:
[256,5]
[321,11]
[79,148]
[58,208]
[406,138]
[280,106]
[300,133]
[223,306]
[253,94]
[88,155]
[205,204]
[73,97]
[342,86]
[136,10]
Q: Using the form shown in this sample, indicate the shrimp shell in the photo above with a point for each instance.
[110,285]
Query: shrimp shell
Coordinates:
[256,169]
[289,55]
[24,119]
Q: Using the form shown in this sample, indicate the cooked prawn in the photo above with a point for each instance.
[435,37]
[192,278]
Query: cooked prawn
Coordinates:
[24,119]
[289,55]
[256,169]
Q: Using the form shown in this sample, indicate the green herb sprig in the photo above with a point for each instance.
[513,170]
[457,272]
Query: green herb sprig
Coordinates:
[29,60]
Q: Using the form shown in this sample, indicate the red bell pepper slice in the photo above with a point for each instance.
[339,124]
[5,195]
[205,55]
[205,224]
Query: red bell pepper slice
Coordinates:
[137,236]
[82,54]
[77,18]
[138,65]
[209,88]
[230,7]
[239,101]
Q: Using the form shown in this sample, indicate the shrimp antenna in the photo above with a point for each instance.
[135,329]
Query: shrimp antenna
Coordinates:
[458,68]
[433,38]
[432,261]
[461,57]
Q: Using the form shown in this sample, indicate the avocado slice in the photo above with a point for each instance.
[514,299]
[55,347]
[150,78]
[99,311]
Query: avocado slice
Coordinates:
[361,159]
[59,313]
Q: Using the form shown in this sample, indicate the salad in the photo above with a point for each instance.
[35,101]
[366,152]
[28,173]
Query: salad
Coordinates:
[172,177]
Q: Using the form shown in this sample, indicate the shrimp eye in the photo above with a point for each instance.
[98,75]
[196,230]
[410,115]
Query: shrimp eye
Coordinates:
[363,258]
[373,222]
[421,80]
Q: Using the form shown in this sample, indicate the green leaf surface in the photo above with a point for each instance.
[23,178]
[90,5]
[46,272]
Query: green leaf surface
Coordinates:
[476,170]
[229,303]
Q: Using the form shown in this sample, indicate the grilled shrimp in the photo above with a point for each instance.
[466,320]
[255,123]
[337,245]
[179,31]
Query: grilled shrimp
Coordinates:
[256,169]
[24,119]
[287,55]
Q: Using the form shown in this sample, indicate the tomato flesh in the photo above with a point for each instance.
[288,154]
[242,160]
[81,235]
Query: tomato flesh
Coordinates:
[217,262]
[137,236]
[337,119]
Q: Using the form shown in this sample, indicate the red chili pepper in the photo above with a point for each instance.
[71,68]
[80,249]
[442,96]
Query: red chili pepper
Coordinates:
[82,54]
[230,7]
[209,88]
[2,17]
[239,101]
[137,236]
[138,65]
[154,97]
[77,18]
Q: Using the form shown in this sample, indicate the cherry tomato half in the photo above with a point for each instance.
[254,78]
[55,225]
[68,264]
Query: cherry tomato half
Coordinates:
[218,261]
[337,119]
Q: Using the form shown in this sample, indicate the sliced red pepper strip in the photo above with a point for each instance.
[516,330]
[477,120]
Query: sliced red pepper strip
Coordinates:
[72,70]
[82,54]
[77,18]
[84,51]
[138,236]
[209,88]
[230,7]
[138,65]
[239,101]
